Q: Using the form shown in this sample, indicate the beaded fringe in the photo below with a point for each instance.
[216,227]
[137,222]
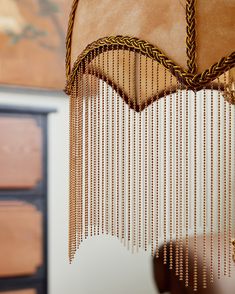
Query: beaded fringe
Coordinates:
[154,170]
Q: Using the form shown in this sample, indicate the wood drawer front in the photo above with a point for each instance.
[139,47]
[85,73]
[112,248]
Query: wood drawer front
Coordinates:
[26,291]
[20,153]
[21,241]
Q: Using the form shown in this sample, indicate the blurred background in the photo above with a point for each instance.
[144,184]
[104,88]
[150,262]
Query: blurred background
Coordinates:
[34,171]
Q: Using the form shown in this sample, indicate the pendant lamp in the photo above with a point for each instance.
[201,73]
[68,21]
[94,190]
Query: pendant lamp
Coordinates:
[152,128]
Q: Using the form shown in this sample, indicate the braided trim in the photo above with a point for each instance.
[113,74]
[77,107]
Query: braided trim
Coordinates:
[69,36]
[195,82]
[116,42]
[191,36]
[190,40]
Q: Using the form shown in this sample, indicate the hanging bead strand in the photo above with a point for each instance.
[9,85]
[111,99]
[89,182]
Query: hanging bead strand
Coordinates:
[95,149]
[129,151]
[107,151]
[181,188]
[91,146]
[212,188]
[78,123]
[187,194]
[177,191]
[135,191]
[157,165]
[123,152]
[195,194]
[152,161]
[72,230]
[82,152]
[204,269]
[146,127]
[118,151]
[86,148]
[165,173]
[103,145]
[171,180]
[225,178]
[219,180]
[98,149]
[140,156]
[230,177]
[114,144]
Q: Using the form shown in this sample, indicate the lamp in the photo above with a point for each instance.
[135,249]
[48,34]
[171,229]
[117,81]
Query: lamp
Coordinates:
[151,126]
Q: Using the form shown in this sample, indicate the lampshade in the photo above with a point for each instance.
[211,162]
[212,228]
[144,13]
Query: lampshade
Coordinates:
[151,127]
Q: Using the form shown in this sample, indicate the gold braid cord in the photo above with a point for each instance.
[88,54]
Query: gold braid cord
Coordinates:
[132,173]
[188,78]
[69,36]
[191,36]
[140,46]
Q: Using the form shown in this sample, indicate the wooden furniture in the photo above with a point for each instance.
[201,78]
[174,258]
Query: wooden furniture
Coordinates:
[23,200]
[27,291]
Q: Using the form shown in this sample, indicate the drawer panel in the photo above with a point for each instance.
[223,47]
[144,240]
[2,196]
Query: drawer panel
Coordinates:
[26,291]
[20,152]
[21,240]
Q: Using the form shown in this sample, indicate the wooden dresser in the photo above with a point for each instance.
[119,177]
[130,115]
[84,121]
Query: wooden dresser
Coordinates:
[23,200]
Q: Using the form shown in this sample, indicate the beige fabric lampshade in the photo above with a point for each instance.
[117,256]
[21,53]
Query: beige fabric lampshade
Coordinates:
[152,96]
[160,23]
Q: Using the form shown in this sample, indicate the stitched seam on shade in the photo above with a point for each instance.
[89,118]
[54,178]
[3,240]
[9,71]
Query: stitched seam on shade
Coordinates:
[69,36]
[191,36]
